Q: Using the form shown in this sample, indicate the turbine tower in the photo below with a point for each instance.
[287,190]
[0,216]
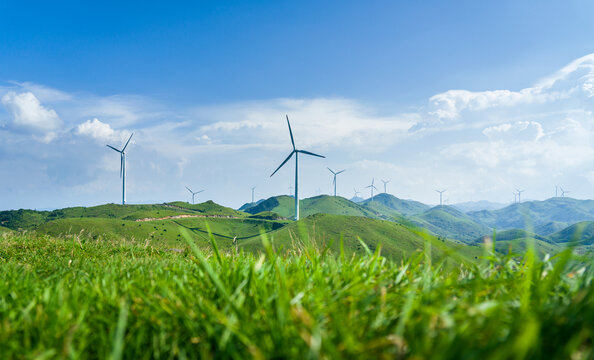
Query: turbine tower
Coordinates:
[371,187]
[334,181]
[296,153]
[254,188]
[556,193]
[441,196]
[515,196]
[520,195]
[122,167]
[385,183]
[193,193]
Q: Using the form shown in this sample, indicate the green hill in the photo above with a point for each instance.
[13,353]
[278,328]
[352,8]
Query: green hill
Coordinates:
[550,228]
[285,206]
[519,246]
[4,230]
[582,232]
[397,240]
[404,207]
[536,215]
[452,223]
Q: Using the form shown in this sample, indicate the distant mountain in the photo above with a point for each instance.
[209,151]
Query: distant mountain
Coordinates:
[550,228]
[514,234]
[356,199]
[285,207]
[449,222]
[478,205]
[404,207]
[537,215]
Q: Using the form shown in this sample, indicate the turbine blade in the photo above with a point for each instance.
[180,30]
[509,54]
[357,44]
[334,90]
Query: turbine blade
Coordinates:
[330,170]
[189,190]
[291,133]
[284,162]
[341,171]
[309,153]
[130,138]
[111,147]
[198,192]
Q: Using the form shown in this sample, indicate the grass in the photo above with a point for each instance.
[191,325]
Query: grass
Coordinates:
[123,299]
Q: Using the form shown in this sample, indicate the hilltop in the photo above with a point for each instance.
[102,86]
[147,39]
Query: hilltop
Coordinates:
[404,207]
[337,205]
[451,223]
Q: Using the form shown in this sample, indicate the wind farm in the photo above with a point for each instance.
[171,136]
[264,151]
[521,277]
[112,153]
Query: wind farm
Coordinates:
[216,243]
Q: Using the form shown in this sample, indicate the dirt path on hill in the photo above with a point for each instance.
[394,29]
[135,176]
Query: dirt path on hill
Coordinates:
[189,216]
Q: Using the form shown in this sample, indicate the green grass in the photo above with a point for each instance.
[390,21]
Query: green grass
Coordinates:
[122,299]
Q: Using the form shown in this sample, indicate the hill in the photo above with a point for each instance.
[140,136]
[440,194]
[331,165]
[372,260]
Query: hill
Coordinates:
[249,205]
[449,222]
[397,240]
[404,207]
[516,241]
[537,214]
[582,232]
[285,207]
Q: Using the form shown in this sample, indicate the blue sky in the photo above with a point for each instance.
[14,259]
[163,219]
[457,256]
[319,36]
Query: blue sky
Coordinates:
[475,97]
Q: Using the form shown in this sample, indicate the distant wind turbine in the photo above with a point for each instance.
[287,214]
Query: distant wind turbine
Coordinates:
[296,153]
[520,195]
[441,196]
[334,181]
[385,183]
[556,187]
[254,188]
[122,167]
[515,196]
[193,193]
[563,192]
[356,192]
[371,187]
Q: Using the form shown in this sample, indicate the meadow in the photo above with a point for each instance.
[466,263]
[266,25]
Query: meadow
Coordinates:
[77,297]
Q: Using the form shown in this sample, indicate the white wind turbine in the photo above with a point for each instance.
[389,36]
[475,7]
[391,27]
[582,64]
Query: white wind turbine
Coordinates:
[440,196]
[296,153]
[122,167]
[520,195]
[563,192]
[356,192]
[254,188]
[334,181]
[193,193]
[371,187]
[385,183]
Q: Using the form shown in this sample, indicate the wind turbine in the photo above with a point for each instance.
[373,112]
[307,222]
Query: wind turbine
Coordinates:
[385,183]
[520,195]
[441,196]
[334,181]
[296,153]
[122,167]
[556,187]
[563,192]
[371,187]
[193,193]
[356,192]
[254,188]
[515,196]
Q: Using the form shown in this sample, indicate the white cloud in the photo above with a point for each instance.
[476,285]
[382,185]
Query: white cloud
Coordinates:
[28,113]
[520,131]
[100,131]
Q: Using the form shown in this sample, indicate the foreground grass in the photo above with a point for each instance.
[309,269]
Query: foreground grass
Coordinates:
[66,298]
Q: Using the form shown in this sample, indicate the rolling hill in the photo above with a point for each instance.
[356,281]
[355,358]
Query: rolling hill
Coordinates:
[404,207]
[285,207]
[451,223]
[582,233]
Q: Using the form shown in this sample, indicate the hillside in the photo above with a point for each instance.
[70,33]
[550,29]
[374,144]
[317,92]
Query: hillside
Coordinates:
[451,223]
[582,232]
[397,241]
[478,205]
[535,215]
[285,206]
[404,207]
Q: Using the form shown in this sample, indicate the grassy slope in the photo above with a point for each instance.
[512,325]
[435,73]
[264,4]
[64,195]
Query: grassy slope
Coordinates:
[124,300]
[397,241]
[520,245]
[582,232]
[452,223]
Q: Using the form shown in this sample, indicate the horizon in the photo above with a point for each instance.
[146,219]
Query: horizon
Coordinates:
[478,99]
